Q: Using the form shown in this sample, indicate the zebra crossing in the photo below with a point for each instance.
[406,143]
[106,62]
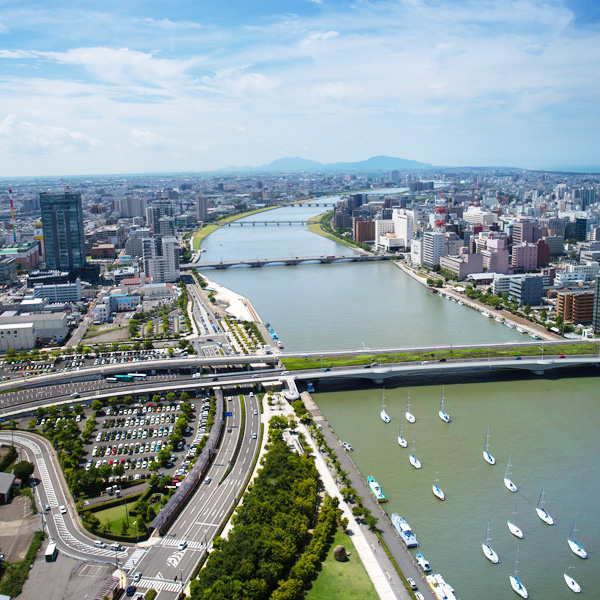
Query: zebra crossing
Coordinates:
[134,559]
[46,482]
[71,541]
[192,545]
[161,585]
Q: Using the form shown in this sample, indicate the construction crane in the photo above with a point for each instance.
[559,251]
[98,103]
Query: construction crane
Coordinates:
[12,216]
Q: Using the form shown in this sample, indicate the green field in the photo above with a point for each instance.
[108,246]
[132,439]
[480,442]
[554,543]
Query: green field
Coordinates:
[115,516]
[342,581]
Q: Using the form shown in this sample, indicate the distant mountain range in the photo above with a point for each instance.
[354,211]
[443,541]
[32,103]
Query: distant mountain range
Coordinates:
[375,163]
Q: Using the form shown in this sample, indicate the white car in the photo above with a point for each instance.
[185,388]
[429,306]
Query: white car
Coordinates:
[182,546]
[63,509]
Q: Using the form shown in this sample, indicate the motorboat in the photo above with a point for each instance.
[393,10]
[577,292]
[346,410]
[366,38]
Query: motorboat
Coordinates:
[423,562]
[409,416]
[376,489]
[541,512]
[444,416]
[510,486]
[516,585]
[486,449]
[487,549]
[575,547]
[404,530]
[441,589]
[512,527]
[384,416]
[414,461]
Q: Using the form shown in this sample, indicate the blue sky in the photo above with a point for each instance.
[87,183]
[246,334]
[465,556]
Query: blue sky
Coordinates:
[114,87]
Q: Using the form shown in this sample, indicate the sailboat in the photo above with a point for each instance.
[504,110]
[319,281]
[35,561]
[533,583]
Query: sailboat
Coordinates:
[486,449]
[512,527]
[435,488]
[575,547]
[412,458]
[541,513]
[384,416]
[516,585]
[401,439]
[571,583]
[409,416]
[444,416]
[510,486]
[487,549]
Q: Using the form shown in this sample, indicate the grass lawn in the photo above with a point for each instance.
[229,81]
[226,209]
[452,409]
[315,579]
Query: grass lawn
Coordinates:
[115,515]
[342,581]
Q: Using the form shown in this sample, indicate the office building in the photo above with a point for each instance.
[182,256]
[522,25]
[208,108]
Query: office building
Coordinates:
[201,208]
[524,256]
[434,247]
[62,224]
[527,289]
[8,270]
[61,292]
[162,207]
[596,311]
[161,259]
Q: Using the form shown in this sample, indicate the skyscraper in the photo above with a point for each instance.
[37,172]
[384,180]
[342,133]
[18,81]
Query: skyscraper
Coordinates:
[62,226]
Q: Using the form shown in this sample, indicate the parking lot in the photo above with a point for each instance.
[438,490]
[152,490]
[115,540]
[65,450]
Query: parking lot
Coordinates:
[128,440]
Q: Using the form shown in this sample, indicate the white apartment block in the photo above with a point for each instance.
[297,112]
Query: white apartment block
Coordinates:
[161,259]
[416,252]
[61,292]
[434,247]
[589,270]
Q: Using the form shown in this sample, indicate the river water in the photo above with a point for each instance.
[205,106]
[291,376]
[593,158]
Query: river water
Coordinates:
[549,425]
[338,306]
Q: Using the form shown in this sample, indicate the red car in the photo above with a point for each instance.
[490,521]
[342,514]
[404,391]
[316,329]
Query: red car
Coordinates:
[562,356]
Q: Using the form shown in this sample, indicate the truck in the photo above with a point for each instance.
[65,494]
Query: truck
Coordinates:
[51,552]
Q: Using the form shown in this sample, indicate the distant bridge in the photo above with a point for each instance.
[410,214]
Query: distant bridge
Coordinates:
[241,223]
[288,262]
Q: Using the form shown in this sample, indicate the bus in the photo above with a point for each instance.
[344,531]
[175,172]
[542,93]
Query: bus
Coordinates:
[123,377]
[137,376]
[51,552]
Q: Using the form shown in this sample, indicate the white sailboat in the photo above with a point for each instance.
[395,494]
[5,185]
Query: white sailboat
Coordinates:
[444,416]
[541,513]
[516,585]
[575,547]
[512,527]
[409,416]
[486,449]
[414,461]
[487,549]
[510,486]
[571,583]
[384,416]
[437,492]
[401,439]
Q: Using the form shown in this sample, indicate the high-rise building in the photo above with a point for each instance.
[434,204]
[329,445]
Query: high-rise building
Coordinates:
[161,258]
[434,246]
[201,208]
[596,311]
[62,224]
[162,207]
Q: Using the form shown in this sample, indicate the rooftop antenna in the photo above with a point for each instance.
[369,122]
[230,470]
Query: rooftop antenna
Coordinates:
[12,215]
[440,209]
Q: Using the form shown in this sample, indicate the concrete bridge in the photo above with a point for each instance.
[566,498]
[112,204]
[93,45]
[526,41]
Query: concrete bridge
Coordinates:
[242,223]
[288,262]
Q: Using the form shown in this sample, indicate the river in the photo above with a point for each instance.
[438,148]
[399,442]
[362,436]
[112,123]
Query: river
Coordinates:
[337,306]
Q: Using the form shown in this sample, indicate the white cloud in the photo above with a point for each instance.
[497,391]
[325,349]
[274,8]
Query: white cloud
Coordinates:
[318,37]
[28,138]
[146,139]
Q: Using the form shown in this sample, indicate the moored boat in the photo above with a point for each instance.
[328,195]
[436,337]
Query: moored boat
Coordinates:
[487,549]
[512,527]
[444,416]
[510,486]
[409,416]
[384,416]
[437,491]
[401,439]
[423,562]
[486,449]
[575,547]
[404,530]
[516,585]
[541,512]
[442,590]
[376,489]
[414,461]
[573,585]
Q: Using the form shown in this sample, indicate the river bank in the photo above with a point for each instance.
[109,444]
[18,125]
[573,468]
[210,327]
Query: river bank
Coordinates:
[515,320]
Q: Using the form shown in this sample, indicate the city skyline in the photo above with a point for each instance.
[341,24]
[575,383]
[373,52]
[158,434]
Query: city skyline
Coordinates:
[142,88]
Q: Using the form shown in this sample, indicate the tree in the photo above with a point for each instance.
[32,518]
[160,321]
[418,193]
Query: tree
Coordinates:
[23,470]
[97,405]
[78,408]
[163,457]
[170,352]
[119,469]
[527,308]
[124,527]
[184,396]
[156,398]
[40,413]
[544,315]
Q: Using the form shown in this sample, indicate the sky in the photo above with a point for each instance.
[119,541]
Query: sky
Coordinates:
[144,86]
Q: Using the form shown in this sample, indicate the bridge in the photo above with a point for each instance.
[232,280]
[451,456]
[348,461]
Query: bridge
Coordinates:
[289,261]
[241,222]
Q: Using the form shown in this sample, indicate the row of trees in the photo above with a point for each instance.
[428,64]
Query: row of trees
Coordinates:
[270,527]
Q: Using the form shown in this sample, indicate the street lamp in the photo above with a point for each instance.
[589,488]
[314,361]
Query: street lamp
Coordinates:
[542,349]
[181,576]
[136,533]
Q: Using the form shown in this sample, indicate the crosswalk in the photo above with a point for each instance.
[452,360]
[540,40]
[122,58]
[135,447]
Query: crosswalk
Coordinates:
[160,585]
[134,559]
[46,482]
[192,545]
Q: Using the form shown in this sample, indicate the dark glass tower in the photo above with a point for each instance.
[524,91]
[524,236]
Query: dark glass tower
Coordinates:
[62,225]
